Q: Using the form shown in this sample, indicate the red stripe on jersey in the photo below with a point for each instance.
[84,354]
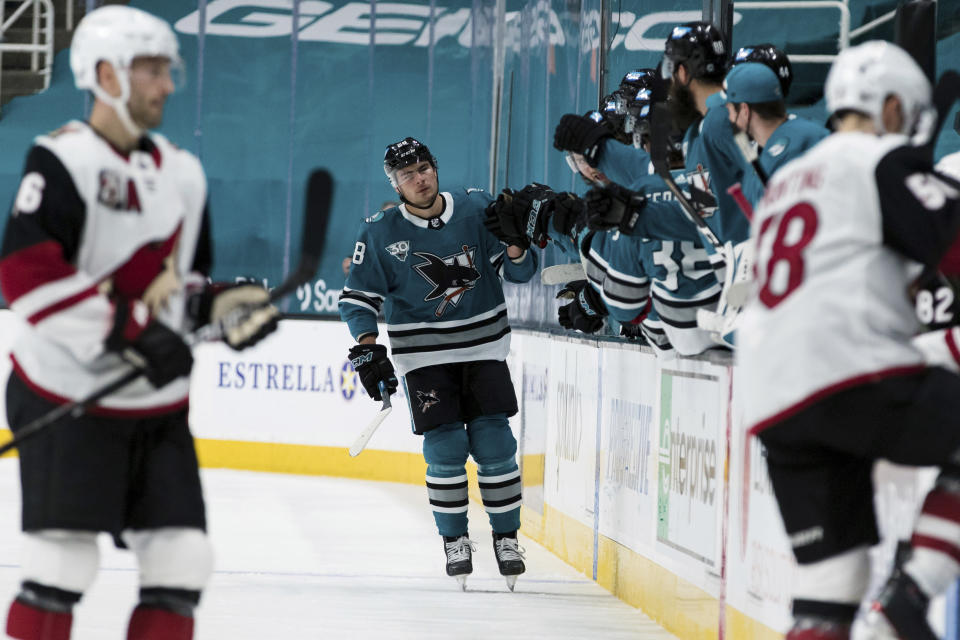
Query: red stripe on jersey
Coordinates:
[105,412]
[26,269]
[942,504]
[936,544]
[952,345]
[133,277]
[61,305]
[817,396]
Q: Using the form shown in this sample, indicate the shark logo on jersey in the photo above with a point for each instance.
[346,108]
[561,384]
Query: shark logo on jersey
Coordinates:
[450,277]
[399,250]
[427,399]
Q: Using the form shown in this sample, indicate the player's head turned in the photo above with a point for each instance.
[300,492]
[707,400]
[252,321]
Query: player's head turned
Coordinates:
[774,58]
[700,48]
[412,170]
[879,81]
[142,55]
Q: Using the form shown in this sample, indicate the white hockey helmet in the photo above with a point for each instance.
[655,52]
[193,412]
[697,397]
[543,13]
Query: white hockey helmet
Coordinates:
[117,34]
[862,77]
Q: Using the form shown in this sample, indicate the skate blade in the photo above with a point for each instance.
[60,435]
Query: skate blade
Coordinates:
[462,581]
[511,582]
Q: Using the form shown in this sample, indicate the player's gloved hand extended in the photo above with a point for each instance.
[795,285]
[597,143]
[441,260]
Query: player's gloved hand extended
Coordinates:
[521,217]
[245,313]
[586,310]
[614,207]
[148,344]
[582,135]
[371,363]
[569,214]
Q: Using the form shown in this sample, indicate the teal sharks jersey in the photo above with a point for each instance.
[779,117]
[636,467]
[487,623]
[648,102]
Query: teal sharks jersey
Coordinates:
[790,140]
[622,163]
[713,163]
[438,282]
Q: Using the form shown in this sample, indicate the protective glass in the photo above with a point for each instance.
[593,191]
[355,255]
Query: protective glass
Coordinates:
[409,173]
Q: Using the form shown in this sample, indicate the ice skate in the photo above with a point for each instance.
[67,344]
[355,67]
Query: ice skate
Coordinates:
[459,550]
[900,611]
[509,557]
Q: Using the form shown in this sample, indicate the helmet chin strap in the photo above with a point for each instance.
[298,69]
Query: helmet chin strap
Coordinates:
[119,103]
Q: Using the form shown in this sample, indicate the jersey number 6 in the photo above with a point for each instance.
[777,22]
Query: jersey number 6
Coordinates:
[785,265]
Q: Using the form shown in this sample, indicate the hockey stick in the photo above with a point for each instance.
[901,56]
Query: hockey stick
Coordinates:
[562,273]
[749,153]
[736,192]
[659,142]
[316,214]
[361,442]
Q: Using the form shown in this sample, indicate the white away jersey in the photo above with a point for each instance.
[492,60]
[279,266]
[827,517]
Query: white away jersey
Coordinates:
[90,229]
[839,237]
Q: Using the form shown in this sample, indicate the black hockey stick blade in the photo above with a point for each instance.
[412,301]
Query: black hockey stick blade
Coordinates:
[316,215]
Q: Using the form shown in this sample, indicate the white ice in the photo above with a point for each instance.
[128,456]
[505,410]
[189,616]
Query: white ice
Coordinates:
[302,558]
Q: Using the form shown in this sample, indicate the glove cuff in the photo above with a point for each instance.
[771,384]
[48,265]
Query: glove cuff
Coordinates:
[130,319]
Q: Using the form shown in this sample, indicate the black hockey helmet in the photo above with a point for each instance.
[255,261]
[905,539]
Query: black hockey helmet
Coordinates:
[403,154]
[771,56]
[699,47]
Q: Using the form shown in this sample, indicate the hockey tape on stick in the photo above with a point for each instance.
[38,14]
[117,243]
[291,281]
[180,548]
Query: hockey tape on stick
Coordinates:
[659,141]
[361,442]
[562,273]
[749,153]
[316,215]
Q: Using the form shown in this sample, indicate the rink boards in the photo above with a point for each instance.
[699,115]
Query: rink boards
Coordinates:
[636,471]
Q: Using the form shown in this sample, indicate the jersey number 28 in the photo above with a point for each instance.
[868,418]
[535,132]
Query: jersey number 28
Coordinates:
[784,269]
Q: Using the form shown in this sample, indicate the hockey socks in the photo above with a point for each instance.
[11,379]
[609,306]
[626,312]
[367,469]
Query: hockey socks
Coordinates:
[148,623]
[163,614]
[27,622]
[41,613]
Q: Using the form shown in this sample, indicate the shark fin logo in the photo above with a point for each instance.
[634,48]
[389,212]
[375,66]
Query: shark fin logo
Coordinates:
[450,277]
[399,250]
[427,399]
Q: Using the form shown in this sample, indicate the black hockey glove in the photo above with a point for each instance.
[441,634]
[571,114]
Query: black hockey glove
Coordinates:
[586,310]
[244,311]
[148,344]
[371,363]
[521,217]
[613,207]
[582,135]
[569,214]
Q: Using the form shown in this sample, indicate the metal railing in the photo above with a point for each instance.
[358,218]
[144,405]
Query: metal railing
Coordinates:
[41,36]
[843,23]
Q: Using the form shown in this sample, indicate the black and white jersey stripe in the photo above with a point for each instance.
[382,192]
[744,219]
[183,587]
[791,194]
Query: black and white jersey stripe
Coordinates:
[365,299]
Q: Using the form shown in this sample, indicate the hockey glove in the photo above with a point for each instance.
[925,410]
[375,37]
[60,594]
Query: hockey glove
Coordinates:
[245,313]
[569,214]
[148,344]
[614,207]
[521,217]
[582,135]
[371,363]
[243,310]
[586,310]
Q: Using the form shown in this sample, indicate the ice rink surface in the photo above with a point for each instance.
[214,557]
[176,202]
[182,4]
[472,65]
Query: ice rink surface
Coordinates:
[304,558]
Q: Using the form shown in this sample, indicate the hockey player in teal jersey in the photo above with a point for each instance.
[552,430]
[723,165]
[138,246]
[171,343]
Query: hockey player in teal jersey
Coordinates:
[695,59]
[755,105]
[436,270]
